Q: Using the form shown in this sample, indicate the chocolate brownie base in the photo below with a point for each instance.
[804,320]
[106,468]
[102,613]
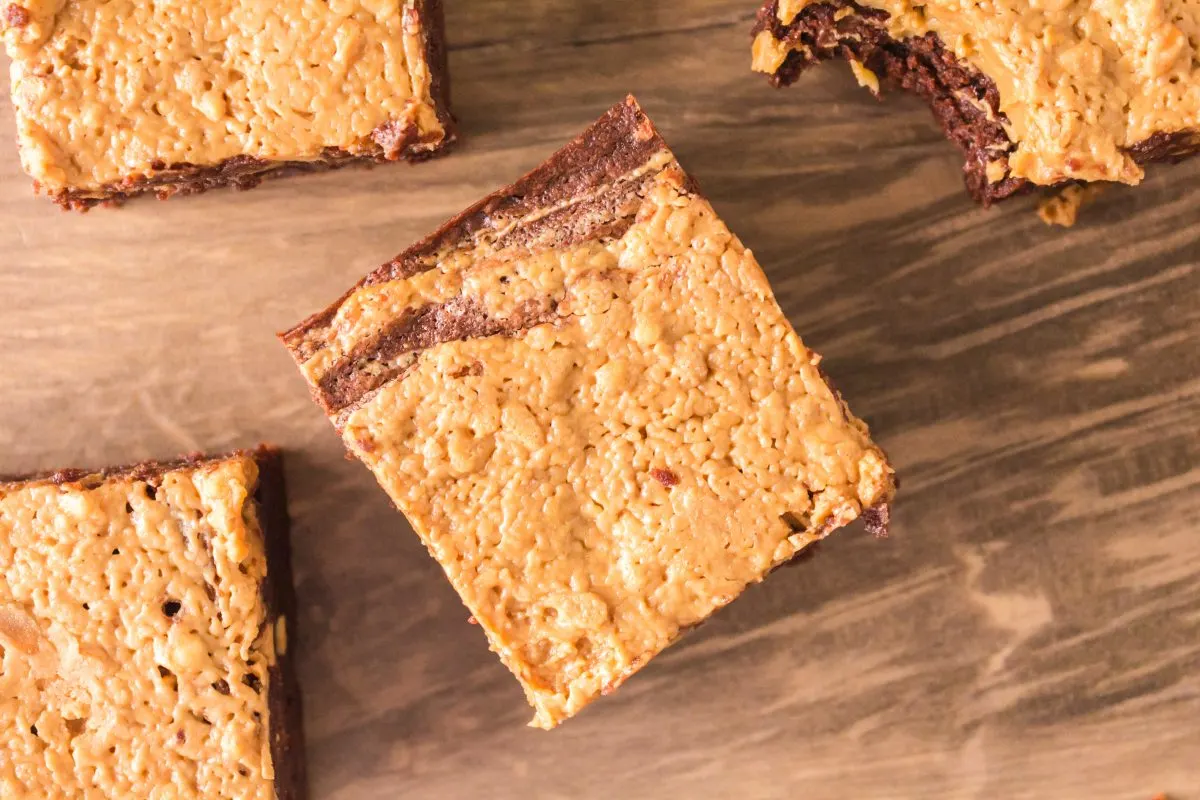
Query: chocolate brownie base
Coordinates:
[286,729]
[241,172]
[964,101]
[283,695]
[436,57]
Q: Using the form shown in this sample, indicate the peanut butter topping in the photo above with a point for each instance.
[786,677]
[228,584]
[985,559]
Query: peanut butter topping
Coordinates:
[107,90]
[1080,81]
[132,641]
[598,482]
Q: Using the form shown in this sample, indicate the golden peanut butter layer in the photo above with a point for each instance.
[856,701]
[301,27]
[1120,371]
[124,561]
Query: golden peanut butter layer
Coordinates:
[1088,89]
[586,400]
[123,95]
[137,659]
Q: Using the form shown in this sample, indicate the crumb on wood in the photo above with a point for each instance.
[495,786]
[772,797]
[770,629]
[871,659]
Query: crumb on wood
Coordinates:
[1062,206]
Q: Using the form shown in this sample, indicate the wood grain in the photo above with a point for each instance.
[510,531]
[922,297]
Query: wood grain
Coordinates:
[1032,628]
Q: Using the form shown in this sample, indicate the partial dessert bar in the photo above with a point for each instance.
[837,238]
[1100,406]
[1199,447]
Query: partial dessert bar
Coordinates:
[115,98]
[144,616]
[584,397]
[1034,94]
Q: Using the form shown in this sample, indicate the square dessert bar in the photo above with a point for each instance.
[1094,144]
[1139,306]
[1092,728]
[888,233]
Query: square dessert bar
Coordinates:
[1033,93]
[116,98]
[143,633]
[586,400]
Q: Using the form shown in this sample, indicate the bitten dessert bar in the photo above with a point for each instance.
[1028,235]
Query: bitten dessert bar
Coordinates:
[1034,94]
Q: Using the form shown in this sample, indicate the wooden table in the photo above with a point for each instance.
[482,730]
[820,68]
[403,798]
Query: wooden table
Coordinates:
[1032,628]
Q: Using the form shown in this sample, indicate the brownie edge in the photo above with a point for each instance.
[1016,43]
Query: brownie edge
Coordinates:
[286,729]
[436,56]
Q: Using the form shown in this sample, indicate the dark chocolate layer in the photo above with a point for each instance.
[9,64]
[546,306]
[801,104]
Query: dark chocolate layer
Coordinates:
[142,471]
[615,145]
[378,361]
[431,15]
[584,189]
[920,65]
[1170,148]
[965,101]
[286,725]
[245,172]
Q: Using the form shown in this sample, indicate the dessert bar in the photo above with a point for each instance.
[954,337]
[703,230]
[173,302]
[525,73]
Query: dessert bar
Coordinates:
[1034,94]
[584,397]
[115,98]
[144,616]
